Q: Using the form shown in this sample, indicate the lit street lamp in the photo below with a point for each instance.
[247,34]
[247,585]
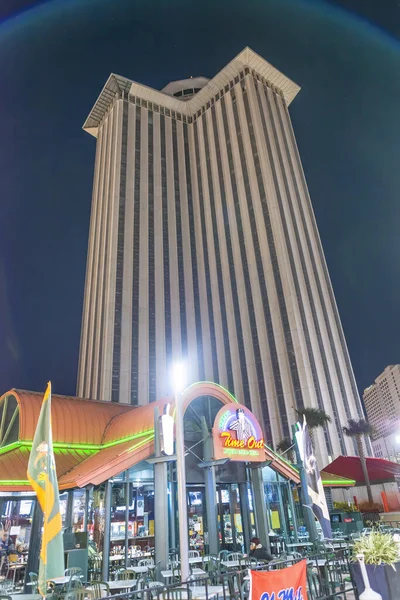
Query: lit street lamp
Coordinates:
[179,383]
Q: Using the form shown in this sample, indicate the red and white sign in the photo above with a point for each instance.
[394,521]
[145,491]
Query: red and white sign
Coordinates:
[237,435]
[283,584]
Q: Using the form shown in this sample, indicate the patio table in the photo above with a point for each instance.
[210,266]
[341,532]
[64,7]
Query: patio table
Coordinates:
[170,573]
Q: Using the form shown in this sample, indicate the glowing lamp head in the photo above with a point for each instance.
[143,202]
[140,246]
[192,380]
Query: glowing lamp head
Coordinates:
[178,377]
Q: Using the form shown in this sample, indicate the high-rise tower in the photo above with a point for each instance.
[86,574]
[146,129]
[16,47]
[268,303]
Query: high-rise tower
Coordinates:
[203,246]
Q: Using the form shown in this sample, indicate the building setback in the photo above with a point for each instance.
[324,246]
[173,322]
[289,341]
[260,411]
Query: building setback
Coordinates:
[203,246]
[382,403]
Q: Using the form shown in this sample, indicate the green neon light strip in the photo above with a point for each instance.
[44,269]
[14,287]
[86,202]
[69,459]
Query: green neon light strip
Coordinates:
[88,447]
[339,482]
[14,482]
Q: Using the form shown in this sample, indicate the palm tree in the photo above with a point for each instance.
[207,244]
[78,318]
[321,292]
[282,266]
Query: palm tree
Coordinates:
[286,447]
[360,429]
[315,418]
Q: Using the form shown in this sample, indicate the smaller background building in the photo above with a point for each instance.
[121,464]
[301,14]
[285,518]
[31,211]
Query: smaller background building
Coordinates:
[382,403]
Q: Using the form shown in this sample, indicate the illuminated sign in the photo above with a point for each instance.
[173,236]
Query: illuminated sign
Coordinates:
[237,435]
[167,432]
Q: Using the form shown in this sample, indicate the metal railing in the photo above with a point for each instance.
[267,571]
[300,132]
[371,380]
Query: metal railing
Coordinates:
[328,578]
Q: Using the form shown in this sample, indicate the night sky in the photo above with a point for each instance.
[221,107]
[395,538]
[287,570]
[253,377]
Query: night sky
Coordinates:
[54,59]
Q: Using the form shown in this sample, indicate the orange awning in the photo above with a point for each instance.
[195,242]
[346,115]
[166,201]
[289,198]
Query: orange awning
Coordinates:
[14,464]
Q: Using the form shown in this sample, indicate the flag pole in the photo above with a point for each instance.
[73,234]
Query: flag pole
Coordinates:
[305,498]
[43,479]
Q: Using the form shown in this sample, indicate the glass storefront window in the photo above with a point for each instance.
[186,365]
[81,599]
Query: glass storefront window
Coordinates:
[197,519]
[78,511]
[63,508]
[139,497]
[16,514]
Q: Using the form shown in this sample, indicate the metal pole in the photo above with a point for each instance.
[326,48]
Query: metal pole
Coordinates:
[127,503]
[210,491]
[69,511]
[305,498]
[182,499]
[86,513]
[160,500]
[107,527]
[293,511]
[259,501]
[32,566]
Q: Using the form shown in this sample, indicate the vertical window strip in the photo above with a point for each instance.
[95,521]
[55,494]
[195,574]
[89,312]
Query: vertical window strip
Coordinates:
[310,294]
[263,287]
[246,276]
[152,275]
[167,282]
[179,242]
[235,295]
[135,274]
[86,375]
[324,266]
[274,260]
[300,304]
[116,361]
[223,315]
[99,236]
[106,235]
[213,340]
[260,272]
[193,253]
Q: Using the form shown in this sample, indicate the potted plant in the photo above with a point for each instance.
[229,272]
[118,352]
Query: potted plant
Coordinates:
[382,561]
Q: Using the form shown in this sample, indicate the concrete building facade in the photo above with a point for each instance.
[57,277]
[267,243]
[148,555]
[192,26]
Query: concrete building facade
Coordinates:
[203,246]
[382,403]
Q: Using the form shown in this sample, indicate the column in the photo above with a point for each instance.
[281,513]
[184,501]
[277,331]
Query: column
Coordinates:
[107,526]
[245,508]
[259,506]
[160,498]
[210,491]
[32,566]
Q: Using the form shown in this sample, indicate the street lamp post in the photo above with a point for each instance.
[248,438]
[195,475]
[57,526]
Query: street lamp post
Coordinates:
[178,378]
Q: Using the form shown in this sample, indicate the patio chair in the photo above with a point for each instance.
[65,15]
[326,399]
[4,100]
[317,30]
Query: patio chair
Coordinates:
[98,589]
[146,562]
[212,567]
[33,578]
[249,561]
[77,594]
[313,582]
[183,593]
[222,554]
[245,589]
[125,575]
[234,556]
[75,583]
[193,553]
[73,571]
[94,567]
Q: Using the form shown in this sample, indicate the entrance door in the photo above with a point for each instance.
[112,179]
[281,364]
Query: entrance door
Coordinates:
[230,522]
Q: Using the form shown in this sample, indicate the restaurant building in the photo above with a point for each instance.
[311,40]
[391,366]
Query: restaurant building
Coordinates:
[118,487]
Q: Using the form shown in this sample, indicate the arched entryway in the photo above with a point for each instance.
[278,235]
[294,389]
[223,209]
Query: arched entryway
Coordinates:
[220,511]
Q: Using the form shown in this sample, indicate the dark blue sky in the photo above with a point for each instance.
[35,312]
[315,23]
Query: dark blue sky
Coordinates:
[54,60]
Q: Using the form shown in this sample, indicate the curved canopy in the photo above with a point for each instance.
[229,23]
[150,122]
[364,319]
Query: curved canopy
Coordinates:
[93,441]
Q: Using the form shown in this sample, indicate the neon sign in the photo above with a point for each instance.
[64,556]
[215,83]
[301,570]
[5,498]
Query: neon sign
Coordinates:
[237,435]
